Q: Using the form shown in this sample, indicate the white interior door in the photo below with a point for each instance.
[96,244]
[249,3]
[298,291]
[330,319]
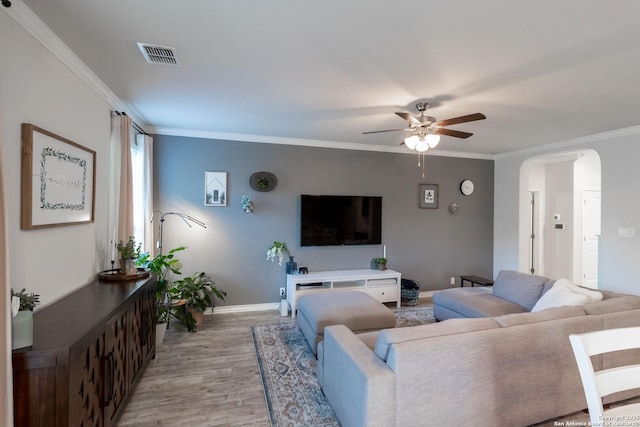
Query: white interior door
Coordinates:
[590,235]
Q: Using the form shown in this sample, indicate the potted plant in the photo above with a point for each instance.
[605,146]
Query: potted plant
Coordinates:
[129,253]
[22,305]
[164,267]
[277,251]
[199,291]
[381,263]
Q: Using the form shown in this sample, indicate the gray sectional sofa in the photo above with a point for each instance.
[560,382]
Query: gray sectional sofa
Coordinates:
[512,292]
[507,366]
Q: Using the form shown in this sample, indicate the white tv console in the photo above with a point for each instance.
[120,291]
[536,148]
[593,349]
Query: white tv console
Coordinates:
[382,285]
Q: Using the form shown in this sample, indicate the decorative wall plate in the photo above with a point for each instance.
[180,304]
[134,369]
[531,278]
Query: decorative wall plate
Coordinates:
[263,181]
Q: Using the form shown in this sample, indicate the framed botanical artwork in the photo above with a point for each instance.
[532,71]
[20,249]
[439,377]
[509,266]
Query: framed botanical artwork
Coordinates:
[215,189]
[58,180]
[428,197]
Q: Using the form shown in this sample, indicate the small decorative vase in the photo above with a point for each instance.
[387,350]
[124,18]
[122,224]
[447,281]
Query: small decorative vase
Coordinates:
[22,330]
[128,266]
[382,267]
[292,266]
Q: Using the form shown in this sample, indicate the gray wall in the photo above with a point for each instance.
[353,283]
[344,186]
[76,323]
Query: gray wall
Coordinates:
[427,245]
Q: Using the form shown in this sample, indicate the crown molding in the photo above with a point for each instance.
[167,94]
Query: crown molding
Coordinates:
[26,18]
[571,143]
[262,139]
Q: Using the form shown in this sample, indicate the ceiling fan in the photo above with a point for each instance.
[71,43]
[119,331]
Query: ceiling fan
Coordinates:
[426,130]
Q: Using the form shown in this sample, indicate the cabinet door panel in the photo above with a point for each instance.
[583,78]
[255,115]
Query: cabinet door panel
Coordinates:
[149,322]
[136,336]
[116,383]
[86,384]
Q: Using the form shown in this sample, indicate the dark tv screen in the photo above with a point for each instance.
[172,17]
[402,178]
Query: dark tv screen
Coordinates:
[340,220]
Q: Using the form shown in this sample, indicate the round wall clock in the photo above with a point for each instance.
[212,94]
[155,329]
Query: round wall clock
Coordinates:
[466,187]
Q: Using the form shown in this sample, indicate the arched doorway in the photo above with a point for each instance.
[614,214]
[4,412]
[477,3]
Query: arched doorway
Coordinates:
[560,216]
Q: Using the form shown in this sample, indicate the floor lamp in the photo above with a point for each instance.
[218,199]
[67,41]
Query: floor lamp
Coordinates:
[188,219]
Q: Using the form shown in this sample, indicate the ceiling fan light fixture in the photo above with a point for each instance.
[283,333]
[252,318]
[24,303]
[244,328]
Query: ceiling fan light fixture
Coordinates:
[433,140]
[411,141]
[422,145]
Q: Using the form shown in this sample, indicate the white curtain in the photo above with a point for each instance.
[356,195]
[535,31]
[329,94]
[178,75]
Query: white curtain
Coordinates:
[121,192]
[143,219]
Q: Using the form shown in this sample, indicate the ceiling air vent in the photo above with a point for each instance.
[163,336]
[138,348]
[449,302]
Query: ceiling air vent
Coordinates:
[162,55]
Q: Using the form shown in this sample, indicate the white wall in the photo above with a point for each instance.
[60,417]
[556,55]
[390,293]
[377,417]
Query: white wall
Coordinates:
[35,87]
[619,152]
[558,253]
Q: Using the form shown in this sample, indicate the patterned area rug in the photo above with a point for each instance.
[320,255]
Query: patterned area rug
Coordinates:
[288,368]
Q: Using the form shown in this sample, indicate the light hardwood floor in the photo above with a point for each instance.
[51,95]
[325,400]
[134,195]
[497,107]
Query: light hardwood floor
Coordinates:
[211,378]
[207,378]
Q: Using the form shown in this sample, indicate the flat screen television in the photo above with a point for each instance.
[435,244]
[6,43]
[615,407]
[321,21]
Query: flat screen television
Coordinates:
[340,220]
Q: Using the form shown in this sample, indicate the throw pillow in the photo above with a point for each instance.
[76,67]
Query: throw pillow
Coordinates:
[521,288]
[564,292]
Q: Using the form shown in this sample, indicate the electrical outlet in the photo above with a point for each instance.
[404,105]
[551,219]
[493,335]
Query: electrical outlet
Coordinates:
[453,280]
[282,293]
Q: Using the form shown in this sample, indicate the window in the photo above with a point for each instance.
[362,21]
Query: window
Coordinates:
[142,190]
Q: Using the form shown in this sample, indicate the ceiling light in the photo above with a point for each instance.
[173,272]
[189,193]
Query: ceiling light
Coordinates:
[411,142]
[422,145]
[433,140]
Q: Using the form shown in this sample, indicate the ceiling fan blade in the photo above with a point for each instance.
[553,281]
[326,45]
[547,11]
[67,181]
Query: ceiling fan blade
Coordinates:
[461,119]
[454,133]
[387,130]
[409,118]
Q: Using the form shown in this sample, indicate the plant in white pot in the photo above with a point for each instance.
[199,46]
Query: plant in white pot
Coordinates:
[164,267]
[22,305]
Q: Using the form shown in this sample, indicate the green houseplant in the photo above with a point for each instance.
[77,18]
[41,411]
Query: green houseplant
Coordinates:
[381,263]
[22,305]
[199,291]
[129,253]
[27,301]
[164,267]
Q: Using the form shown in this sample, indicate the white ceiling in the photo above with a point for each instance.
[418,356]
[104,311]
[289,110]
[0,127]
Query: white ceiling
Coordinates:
[326,71]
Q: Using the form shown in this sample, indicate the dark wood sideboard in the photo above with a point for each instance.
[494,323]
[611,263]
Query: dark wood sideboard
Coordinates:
[89,351]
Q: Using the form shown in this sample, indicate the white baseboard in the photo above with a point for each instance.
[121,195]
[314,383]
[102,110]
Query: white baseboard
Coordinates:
[244,308]
[227,309]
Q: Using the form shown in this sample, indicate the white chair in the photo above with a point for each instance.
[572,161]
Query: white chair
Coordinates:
[607,381]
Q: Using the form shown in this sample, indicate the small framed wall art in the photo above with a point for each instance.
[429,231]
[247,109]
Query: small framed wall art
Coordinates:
[429,196]
[58,180]
[215,189]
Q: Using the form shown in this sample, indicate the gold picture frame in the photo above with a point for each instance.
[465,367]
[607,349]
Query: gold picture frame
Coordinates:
[58,180]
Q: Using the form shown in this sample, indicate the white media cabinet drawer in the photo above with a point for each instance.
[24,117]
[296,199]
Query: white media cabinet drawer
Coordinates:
[384,293]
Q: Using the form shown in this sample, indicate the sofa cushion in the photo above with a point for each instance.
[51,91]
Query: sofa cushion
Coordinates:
[387,337]
[610,305]
[563,293]
[542,316]
[473,302]
[520,288]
